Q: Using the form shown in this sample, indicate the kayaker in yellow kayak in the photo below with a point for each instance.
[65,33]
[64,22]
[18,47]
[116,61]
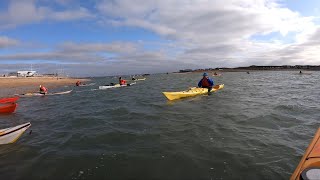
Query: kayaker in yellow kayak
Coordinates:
[206,82]
[43,90]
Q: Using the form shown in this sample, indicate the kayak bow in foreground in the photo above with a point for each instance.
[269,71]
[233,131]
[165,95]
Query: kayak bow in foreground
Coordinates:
[309,166]
[12,134]
[8,108]
[9,100]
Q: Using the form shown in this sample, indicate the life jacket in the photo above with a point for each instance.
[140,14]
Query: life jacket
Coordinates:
[205,83]
[123,82]
[43,89]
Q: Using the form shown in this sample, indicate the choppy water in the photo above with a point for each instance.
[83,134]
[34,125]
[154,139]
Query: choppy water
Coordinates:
[257,127]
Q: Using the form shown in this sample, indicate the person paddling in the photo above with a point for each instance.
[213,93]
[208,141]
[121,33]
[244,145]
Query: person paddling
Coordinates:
[122,81]
[206,82]
[215,73]
[43,90]
[300,72]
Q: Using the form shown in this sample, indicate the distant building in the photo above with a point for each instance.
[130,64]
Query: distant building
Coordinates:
[25,73]
[186,70]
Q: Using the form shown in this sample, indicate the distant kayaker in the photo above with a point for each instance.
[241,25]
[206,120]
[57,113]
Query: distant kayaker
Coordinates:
[215,73]
[43,90]
[78,83]
[300,72]
[122,81]
[248,72]
[206,82]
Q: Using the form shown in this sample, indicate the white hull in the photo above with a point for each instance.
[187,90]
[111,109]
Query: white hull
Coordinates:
[38,94]
[143,79]
[12,134]
[91,84]
[115,86]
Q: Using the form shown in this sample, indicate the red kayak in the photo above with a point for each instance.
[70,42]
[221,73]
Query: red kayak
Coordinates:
[9,100]
[8,108]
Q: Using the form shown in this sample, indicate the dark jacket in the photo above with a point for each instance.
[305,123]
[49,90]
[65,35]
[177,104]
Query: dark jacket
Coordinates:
[209,80]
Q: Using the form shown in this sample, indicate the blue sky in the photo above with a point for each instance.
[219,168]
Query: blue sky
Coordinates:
[102,37]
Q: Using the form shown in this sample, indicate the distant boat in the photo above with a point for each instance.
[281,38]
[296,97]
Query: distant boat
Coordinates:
[303,73]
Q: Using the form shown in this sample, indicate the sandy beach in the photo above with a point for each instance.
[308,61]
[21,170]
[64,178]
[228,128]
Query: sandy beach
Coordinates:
[12,85]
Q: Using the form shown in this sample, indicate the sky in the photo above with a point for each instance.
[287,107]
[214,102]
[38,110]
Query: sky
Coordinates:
[116,37]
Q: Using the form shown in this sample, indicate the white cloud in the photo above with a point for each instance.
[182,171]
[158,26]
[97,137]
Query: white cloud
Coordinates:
[213,30]
[70,14]
[7,42]
[115,47]
[76,52]
[21,12]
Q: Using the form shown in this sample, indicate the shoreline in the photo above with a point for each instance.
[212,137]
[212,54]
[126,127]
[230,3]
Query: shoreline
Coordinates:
[243,70]
[18,85]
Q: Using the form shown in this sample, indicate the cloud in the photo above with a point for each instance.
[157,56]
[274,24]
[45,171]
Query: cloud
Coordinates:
[115,47]
[76,52]
[7,42]
[21,12]
[213,30]
[74,14]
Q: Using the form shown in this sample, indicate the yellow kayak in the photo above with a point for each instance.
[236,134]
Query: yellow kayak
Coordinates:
[309,166]
[194,91]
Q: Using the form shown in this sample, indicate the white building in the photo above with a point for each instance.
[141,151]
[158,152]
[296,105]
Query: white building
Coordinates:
[26,73]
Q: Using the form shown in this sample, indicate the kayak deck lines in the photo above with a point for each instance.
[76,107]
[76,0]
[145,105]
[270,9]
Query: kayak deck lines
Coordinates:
[12,134]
